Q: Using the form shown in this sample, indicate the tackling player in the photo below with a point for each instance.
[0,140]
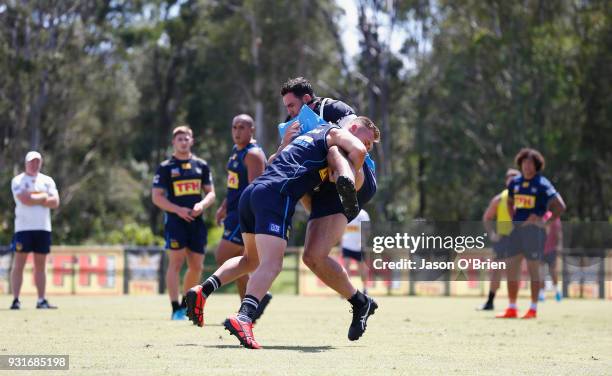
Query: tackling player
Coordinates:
[177,189]
[328,214]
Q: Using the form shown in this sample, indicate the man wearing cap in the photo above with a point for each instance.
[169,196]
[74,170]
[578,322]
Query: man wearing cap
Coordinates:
[35,194]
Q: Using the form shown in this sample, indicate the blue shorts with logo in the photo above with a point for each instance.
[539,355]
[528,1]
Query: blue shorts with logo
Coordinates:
[264,210]
[325,200]
[502,247]
[528,240]
[231,228]
[181,234]
[32,241]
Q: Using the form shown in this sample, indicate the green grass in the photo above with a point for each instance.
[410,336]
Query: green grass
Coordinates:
[132,335]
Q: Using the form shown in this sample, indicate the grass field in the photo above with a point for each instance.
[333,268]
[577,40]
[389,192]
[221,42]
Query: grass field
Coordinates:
[132,335]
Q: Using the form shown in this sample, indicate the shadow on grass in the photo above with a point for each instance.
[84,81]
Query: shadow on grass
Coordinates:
[304,349]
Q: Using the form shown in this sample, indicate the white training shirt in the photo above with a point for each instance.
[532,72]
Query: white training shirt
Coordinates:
[351,239]
[35,217]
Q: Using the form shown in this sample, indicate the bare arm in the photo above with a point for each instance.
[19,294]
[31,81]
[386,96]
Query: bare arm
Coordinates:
[290,133]
[255,163]
[31,199]
[52,202]
[161,201]
[557,206]
[208,200]
[490,214]
[350,144]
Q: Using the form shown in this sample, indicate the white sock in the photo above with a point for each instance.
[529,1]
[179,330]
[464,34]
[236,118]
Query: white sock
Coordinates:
[512,305]
[534,306]
[40,300]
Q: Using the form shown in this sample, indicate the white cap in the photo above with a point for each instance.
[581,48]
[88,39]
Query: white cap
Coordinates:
[32,155]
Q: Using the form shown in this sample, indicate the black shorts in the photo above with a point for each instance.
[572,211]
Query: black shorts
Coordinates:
[502,247]
[181,234]
[32,241]
[550,258]
[231,228]
[264,210]
[355,255]
[527,240]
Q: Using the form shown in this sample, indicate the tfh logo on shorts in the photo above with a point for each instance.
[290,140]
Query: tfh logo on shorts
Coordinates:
[275,228]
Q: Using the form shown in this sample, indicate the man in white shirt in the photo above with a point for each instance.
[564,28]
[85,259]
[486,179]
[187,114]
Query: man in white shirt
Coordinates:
[35,194]
[351,246]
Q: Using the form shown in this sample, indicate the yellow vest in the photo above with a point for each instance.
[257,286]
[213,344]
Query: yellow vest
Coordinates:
[504,222]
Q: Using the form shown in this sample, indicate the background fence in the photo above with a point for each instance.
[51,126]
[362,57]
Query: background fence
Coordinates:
[115,270]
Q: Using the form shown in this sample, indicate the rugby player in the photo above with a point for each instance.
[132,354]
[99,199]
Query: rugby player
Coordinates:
[530,195]
[328,213]
[352,248]
[266,208]
[247,161]
[177,189]
[498,211]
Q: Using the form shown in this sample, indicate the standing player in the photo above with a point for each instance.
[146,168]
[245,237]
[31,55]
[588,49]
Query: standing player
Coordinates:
[177,189]
[554,243]
[352,249]
[498,211]
[328,214]
[530,195]
[246,163]
[35,194]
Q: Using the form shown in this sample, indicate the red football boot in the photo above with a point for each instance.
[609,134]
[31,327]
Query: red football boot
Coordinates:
[531,314]
[243,331]
[510,313]
[195,305]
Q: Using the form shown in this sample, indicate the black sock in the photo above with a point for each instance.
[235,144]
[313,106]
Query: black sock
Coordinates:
[184,302]
[358,299]
[491,297]
[210,285]
[248,308]
[175,306]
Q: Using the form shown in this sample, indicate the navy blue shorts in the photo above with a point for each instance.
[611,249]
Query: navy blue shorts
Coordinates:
[264,210]
[527,240]
[550,258]
[32,241]
[181,234]
[502,247]
[355,255]
[325,200]
[231,230]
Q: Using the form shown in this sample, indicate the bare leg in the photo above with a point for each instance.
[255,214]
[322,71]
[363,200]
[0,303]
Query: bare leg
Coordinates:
[19,262]
[363,270]
[339,164]
[534,272]
[226,251]
[321,235]
[175,262]
[195,266]
[514,277]
[239,266]
[40,273]
[270,250]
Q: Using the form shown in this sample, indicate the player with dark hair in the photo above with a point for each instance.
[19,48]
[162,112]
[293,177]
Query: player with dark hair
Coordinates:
[328,216]
[266,209]
[530,195]
[177,189]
